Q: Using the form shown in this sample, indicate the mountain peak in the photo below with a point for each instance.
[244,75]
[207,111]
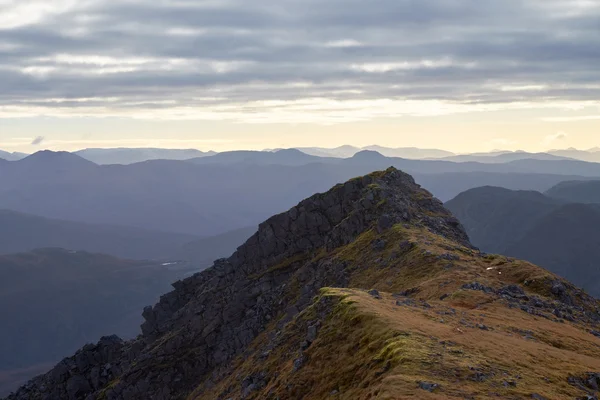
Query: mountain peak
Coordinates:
[357,288]
[368,155]
[48,158]
[335,218]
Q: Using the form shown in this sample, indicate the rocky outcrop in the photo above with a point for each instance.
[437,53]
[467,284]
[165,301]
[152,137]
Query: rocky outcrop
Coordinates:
[208,319]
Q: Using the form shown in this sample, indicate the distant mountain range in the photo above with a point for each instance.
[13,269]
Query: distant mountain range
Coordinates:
[5,155]
[547,229]
[134,155]
[217,194]
[577,191]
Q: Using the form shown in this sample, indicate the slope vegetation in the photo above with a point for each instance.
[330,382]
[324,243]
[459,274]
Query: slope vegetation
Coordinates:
[560,236]
[369,291]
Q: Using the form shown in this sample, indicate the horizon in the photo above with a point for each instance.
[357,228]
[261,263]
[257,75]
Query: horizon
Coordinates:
[360,148]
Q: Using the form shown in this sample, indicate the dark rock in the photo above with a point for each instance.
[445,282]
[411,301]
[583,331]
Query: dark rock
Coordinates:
[378,244]
[77,386]
[299,362]
[312,333]
[384,223]
[478,286]
[374,293]
[430,387]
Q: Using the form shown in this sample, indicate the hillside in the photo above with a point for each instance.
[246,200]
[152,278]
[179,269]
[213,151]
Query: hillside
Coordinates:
[576,191]
[53,301]
[559,236]
[567,242]
[496,217]
[368,291]
[24,232]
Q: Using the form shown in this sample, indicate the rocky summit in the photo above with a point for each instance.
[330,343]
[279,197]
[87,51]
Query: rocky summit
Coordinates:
[368,291]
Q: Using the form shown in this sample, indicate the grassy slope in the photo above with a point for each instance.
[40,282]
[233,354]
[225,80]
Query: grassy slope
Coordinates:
[374,349]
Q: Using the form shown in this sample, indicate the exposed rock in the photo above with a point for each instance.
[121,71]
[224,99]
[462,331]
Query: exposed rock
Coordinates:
[375,293]
[478,286]
[430,387]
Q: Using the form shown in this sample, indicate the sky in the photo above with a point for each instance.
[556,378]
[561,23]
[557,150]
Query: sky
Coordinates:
[461,75]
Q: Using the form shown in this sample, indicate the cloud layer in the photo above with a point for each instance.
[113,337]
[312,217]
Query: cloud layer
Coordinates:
[295,60]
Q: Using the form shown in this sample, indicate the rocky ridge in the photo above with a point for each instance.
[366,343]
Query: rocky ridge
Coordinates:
[260,324]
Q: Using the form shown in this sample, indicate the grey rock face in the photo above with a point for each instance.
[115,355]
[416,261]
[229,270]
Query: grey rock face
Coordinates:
[211,317]
[430,387]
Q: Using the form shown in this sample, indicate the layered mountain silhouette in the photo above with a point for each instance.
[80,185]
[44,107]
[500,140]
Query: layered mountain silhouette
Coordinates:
[5,155]
[212,198]
[545,230]
[54,301]
[577,191]
[24,232]
[505,157]
[135,155]
[369,290]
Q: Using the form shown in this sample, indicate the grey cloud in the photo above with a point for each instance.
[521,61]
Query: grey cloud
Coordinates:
[488,45]
[38,140]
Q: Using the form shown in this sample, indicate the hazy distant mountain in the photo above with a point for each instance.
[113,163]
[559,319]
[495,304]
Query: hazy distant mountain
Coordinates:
[449,185]
[565,238]
[289,157]
[504,157]
[567,242]
[409,152]
[496,217]
[23,232]
[402,152]
[591,155]
[577,191]
[135,155]
[338,152]
[202,252]
[54,301]
[5,155]
[207,200]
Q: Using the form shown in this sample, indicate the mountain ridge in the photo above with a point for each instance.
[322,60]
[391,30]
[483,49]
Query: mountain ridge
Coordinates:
[262,323]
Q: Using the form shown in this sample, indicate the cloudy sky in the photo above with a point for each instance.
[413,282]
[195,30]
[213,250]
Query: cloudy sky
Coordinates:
[464,75]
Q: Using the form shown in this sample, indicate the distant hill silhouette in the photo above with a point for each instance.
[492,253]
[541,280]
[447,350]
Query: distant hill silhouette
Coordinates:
[135,155]
[567,242]
[23,232]
[591,155]
[208,199]
[493,158]
[496,217]
[577,191]
[562,237]
[5,155]
[288,157]
[203,252]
